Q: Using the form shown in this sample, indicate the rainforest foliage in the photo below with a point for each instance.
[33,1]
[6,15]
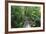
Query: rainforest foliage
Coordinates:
[18,14]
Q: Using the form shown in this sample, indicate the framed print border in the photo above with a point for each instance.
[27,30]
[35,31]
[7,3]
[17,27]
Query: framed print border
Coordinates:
[6,16]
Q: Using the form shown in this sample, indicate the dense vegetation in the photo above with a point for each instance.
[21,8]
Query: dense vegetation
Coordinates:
[18,14]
